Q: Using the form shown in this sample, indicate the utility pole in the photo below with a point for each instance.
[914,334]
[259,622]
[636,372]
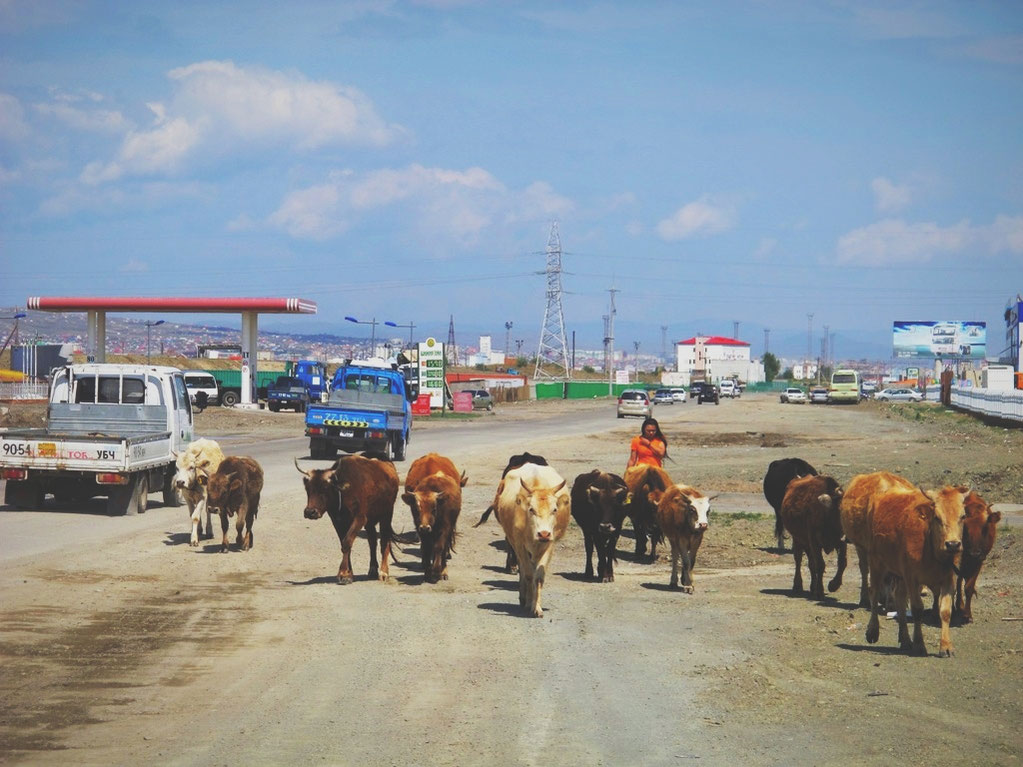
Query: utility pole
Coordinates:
[607,361]
[552,354]
[809,342]
[664,345]
[507,338]
[824,346]
[609,341]
[735,329]
[767,336]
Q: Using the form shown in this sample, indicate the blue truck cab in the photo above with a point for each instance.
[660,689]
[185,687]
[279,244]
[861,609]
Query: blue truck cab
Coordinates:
[314,375]
[368,408]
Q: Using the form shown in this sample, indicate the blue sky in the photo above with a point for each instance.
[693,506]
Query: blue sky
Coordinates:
[716,162]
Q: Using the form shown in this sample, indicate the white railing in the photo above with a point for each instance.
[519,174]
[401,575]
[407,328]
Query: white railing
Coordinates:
[1006,404]
[24,390]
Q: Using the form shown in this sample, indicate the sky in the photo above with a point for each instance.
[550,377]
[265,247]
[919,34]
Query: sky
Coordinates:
[718,164]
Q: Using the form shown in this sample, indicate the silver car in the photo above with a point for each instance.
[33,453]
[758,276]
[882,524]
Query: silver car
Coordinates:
[901,394]
[634,402]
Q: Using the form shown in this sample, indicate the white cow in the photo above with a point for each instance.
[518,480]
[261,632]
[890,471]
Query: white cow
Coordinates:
[534,508]
[195,466]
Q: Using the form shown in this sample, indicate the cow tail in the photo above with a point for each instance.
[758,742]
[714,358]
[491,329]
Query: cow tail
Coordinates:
[486,516]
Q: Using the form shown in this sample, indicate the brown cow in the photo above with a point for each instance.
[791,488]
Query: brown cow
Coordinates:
[433,492]
[855,524]
[917,536]
[682,516]
[646,486]
[598,507]
[234,488]
[810,512]
[356,492]
[979,531]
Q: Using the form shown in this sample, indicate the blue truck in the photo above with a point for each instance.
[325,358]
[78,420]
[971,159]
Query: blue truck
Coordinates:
[314,375]
[368,408]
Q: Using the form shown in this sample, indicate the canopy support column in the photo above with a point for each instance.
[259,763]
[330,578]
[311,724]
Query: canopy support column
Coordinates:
[96,348]
[250,327]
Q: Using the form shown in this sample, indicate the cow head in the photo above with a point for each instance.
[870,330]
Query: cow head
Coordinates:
[608,497]
[689,504]
[945,517]
[979,528]
[831,501]
[431,497]
[542,505]
[320,494]
[223,493]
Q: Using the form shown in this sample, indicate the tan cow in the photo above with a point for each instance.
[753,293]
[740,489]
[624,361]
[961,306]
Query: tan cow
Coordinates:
[917,536]
[682,516]
[646,486]
[196,464]
[534,508]
[433,492]
[855,524]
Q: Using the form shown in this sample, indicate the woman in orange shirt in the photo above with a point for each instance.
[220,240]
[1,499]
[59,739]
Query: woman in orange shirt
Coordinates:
[650,447]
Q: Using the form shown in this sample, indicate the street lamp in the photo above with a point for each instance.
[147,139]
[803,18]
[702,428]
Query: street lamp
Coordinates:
[14,332]
[149,326]
[373,337]
[411,325]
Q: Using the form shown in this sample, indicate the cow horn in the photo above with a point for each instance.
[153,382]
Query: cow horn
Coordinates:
[712,497]
[558,488]
[301,470]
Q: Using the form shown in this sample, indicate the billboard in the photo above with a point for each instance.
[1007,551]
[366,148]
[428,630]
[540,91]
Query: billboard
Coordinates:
[962,340]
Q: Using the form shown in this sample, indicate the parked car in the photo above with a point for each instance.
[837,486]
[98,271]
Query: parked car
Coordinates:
[634,402]
[729,388]
[663,397]
[868,390]
[794,394]
[287,391]
[709,393]
[679,394]
[481,400]
[818,395]
[901,394]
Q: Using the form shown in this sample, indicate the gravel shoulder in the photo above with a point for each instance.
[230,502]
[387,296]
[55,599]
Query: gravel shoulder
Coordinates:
[135,647]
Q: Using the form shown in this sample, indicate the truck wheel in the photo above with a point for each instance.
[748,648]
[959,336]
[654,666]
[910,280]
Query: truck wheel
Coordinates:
[24,495]
[119,502]
[230,398]
[318,449]
[399,448]
[171,497]
[140,498]
[273,407]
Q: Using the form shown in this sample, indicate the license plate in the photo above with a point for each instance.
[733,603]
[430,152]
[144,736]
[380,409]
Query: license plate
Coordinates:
[344,433]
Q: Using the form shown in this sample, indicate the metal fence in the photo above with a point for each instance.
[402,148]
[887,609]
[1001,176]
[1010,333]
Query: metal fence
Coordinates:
[1006,404]
[24,391]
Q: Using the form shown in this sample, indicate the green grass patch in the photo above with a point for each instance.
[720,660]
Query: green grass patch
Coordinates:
[727,519]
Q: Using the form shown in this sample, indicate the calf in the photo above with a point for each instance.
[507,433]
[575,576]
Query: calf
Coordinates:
[194,466]
[433,492]
[534,510]
[646,486]
[862,489]
[598,507]
[511,565]
[776,481]
[682,515]
[917,536]
[234,488]
[356,492]
[810,512]
[979,531]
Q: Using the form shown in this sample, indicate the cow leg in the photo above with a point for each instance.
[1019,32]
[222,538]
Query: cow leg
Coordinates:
[371,536]
[901,599]
[945,649]
[386,535]
[861,555]
[588,541]
[223,530]
[209,518]
[874,625]
[344,574]
[815,559]
[966,610]
[797,578]
[195,514]
[687,571]
[779,531]
[250,539]
[240,538]
[676,556]
[836,582]
[511,561]
[605,560]
[640,529]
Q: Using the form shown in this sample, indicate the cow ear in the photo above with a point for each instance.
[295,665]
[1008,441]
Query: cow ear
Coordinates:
[465,478]
[825,500]
[345,487]
[409,498]
[628,498]
[236,484]
[925,510]
[202,478]
[962,489]
[994,517]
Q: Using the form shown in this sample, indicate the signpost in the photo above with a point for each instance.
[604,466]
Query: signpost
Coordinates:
[431,371]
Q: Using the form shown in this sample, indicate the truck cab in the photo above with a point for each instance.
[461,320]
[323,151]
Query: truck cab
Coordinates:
[314,375]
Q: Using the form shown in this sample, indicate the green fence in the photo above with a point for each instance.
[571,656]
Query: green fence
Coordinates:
[581,389]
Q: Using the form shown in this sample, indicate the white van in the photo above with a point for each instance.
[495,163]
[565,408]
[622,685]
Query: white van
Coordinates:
[200,381]
[728,388]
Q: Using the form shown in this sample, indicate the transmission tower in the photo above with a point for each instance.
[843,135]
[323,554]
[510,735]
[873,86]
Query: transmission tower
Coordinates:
[767,337]
[452,350]
[552,355]
[609,341]
[735,329]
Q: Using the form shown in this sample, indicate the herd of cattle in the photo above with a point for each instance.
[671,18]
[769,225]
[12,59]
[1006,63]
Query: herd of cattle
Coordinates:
[906,538]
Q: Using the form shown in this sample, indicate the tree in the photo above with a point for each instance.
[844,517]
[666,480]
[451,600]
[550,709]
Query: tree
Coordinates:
[771,366]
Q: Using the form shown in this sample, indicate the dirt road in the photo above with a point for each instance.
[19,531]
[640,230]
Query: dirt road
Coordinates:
[127,646]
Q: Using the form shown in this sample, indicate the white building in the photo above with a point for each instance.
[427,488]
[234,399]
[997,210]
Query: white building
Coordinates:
[715,357]
[486,355]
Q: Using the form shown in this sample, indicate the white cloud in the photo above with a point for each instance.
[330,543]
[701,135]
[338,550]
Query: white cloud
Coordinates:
[161,150]
[68,108]
[451,206]
[12,118]
[697,218]
[894,241]
[134,266]
[888,196]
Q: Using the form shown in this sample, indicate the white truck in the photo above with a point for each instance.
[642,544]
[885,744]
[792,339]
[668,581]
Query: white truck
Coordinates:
[112,430]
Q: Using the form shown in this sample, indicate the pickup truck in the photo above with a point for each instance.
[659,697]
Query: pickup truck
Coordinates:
[111,430]
[367,409]
[287,392]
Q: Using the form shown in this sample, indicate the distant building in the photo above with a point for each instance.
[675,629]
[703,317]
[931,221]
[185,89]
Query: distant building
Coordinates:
[712,358]
[486,354]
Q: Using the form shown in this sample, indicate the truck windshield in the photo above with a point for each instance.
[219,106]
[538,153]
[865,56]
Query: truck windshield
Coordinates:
[369,383]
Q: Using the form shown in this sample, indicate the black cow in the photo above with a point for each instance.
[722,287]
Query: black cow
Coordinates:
[776,481]
[598,507]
